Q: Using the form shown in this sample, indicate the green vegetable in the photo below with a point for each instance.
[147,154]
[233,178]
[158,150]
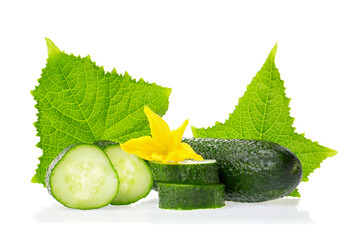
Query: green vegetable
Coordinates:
[134,174]
[252,170]
[179,196]
[187,171]
[78,101]
[263,113]
[82,177]
[105,143]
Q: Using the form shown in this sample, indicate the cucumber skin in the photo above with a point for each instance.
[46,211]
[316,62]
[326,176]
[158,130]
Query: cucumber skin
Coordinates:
[252,170]
[105,143]
[178,196]
[184,173]
[53,164]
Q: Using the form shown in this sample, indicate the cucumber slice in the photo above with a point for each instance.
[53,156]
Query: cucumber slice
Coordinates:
[188,171]
[82,177]
[179,196]
[134,174]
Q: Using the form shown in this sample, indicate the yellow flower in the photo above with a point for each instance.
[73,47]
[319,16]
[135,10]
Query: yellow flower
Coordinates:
[164,145]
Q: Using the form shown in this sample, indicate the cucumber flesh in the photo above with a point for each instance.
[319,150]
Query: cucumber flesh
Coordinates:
[179,196]
[82,177]
[134,175]
[187,171]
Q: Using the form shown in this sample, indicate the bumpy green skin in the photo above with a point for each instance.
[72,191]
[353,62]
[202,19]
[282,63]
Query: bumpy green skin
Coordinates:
[179,196]
[202,173]
[252,170]
[104,143]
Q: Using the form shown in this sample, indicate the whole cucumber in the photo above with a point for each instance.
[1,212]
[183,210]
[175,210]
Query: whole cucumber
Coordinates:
[252,170]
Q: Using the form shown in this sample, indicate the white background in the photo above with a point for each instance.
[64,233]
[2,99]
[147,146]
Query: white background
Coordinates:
[207,52]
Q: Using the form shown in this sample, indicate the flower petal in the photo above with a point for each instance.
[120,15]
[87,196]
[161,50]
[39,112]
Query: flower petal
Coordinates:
[164,145]
[143,147]
[184,151]
[177,134]
[159,128]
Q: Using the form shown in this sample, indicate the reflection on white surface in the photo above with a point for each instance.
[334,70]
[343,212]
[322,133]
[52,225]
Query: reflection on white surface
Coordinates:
[280,211]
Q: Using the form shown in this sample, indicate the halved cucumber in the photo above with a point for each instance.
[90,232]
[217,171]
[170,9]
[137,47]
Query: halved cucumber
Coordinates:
[82,177]
[179,196]
[187,171]
[134,174]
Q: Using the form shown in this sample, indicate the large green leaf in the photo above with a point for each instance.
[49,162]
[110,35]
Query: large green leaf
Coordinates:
[78,101]
[263,113]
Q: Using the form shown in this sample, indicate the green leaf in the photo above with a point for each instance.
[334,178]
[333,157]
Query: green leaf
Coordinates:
[295,193]
[263,113]
[78,101]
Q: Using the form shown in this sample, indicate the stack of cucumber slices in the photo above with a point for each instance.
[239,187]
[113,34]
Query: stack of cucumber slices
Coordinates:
[188,185]
[88,176]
